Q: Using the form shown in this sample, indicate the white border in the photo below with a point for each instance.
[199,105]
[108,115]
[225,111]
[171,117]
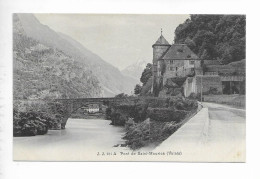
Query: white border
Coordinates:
[16,170]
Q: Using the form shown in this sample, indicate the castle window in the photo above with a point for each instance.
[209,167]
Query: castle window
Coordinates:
[191,62]
[171,61]
[176,68]
[171,68]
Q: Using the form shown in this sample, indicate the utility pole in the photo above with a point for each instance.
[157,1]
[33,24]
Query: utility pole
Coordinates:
[149,130]
[201,89]
[152,80]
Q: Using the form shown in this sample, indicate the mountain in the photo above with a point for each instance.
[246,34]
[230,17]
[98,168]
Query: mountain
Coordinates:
[135,70]
[111,80]
[42,72]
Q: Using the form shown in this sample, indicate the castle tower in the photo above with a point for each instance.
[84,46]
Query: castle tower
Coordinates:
[159,48]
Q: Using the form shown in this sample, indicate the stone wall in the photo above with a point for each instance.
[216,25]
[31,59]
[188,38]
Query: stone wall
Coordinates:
[225,69]
[210,85]
[189,86]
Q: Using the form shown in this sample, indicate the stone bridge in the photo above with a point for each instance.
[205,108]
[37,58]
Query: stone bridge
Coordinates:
[63,108]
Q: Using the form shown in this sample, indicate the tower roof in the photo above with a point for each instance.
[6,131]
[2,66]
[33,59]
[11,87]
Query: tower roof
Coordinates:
[161,41]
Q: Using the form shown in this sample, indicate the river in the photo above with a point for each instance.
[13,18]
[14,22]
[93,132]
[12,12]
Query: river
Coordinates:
[80,141]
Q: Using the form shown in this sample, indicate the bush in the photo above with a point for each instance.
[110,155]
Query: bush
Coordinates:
[52,112]
[138,136]
[157,102]
[108,113]
[121,113]
[169,128]
[180,103]
[149,133]
[158,119]
[129,123]
[192,96]
[166,109]
[121,95]
[29,124]
[166,114]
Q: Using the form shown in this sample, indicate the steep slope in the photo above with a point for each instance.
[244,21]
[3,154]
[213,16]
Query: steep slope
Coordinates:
[214,37]
[40,71]
[111,80]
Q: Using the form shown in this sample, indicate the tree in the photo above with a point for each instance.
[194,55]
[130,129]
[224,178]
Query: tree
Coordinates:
[205,55]
[147,73]
[226,57]
[214,37]
[138,89]
[121,95]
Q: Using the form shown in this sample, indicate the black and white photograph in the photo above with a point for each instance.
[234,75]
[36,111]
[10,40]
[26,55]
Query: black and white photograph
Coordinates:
[129,87]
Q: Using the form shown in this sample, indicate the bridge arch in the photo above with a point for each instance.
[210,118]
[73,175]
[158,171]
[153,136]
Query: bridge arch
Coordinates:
[63,108]
[72,105]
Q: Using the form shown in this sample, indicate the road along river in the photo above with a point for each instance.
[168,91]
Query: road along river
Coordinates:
[80,141]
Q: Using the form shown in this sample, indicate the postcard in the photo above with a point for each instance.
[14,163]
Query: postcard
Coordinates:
[129,87]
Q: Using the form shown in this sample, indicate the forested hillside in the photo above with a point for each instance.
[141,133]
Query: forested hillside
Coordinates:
[111,80]
[214,37]
[44,72]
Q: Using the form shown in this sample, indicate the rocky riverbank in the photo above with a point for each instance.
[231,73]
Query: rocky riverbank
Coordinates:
[32,118]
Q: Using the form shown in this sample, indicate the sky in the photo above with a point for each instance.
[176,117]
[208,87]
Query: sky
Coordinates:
[121,40]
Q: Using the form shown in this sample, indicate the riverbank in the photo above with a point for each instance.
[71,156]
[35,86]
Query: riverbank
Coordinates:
[149,122]
[36,117]
[151,133]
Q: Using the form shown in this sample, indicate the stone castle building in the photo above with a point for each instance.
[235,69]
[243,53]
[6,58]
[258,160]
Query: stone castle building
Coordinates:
[177,61]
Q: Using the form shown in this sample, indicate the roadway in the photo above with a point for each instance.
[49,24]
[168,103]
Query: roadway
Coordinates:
[226,123]
[216,134]
[226,132]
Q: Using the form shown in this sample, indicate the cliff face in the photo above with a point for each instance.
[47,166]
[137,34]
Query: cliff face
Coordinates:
[112,81]
[41,71]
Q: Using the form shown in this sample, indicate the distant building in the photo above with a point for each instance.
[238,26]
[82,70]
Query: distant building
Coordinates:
[178,60]
[92,108]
